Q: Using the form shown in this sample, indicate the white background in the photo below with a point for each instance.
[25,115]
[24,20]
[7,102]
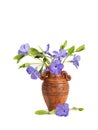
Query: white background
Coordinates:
[39,22]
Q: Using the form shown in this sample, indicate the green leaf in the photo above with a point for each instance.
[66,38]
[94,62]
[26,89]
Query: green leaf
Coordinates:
[25,65]
[46,60]
[74,108]
[18,57]
[41,112]
[80,48]
[81,109]
[71,50]
[52,112]
[35,53]
[41,70]
[63,45]
[39,55]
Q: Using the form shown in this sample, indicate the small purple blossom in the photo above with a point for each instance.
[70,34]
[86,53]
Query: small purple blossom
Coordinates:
[30,69]
[56,67]
[76,60]
[61,54]
[24,49]
[62,109]
[47,49]
[34,73]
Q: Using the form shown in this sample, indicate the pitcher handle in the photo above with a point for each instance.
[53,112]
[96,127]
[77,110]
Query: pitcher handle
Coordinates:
[44,75]
[65,75]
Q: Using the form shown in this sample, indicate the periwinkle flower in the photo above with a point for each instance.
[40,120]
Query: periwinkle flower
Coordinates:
[61,54]
[62,109]
[76,60]
[34,73]
[56,67]
[30,69]
[24,49]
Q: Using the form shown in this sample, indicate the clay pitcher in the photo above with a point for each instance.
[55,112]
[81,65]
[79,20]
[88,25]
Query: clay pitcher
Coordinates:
[55,88]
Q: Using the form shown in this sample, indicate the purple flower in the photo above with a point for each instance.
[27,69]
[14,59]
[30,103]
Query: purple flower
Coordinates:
[34,73]
[24,49]
[62,109]
[56,67]
[30,69]
[61,54]
[47,50]
[76,60]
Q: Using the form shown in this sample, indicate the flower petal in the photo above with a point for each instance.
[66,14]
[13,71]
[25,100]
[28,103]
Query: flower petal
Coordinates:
[47,50]
[30,69]
[33,76]
[76,60]
[24,49]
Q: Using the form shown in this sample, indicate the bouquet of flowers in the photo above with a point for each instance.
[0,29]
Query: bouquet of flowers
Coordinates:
[53,62]
[44,60]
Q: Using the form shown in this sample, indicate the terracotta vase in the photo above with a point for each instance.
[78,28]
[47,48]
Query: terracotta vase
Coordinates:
[55,88]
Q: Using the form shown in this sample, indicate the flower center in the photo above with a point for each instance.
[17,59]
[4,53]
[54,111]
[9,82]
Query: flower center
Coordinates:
[55,66]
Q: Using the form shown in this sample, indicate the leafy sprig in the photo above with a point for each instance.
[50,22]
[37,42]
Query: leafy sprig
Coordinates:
[54,61]
[45,112]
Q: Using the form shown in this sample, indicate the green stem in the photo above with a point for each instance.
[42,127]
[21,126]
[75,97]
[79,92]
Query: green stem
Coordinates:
[35,63]
[41,49]
[65,59]
[49,57]
[45,54]
[75,108]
